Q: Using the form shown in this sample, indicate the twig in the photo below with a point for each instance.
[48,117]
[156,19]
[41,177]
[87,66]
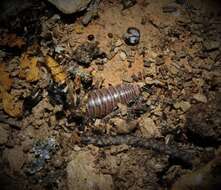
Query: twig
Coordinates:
[184,154]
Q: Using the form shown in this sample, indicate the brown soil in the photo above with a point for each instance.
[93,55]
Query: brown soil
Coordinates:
[169,131]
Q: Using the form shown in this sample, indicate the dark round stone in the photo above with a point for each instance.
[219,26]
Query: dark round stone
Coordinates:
[90,37]
[110,35]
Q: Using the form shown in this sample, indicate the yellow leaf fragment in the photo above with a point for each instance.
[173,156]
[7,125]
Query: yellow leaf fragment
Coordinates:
[5,80]
[10,105]
[29,68]
[79,29]
[33,73]
[56,70]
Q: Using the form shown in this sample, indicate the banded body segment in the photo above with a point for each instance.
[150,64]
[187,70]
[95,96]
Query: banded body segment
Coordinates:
[101,102]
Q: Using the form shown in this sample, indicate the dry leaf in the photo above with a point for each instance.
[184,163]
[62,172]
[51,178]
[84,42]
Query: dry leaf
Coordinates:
[56,70]
[33,73]
[29,68]
[10,105]
[33,49]
[5,80]
[12,40]
[77,83]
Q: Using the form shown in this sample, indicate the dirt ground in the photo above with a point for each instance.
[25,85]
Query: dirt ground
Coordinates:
[168,137]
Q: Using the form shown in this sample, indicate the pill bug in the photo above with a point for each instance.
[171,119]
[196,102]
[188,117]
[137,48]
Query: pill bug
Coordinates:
[101,102]
[132,36]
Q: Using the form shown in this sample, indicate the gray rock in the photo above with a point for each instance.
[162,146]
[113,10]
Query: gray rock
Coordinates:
[70,6]
[43,150]
[92,12]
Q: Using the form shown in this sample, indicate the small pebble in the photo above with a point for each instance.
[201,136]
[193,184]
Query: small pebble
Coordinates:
[128,3]
[76,148]
[123,56]
[110,35]
[55,17]
[127,78]
[58,49]
[90,37]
